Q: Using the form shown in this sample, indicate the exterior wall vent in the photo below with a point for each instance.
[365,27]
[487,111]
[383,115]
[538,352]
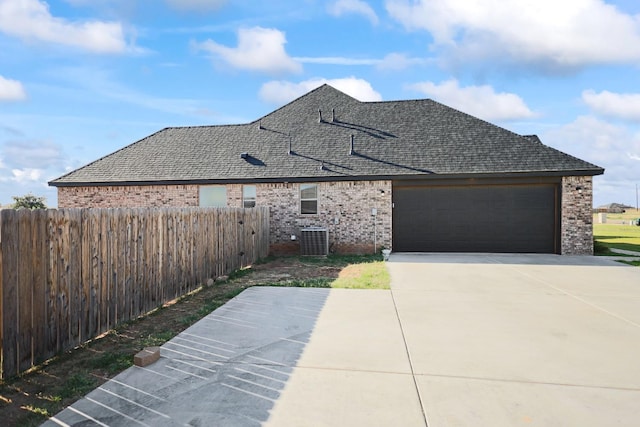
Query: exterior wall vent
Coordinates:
[314,241]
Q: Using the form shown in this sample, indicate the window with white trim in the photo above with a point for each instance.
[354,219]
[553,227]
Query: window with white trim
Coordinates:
[308,199]
[248,196]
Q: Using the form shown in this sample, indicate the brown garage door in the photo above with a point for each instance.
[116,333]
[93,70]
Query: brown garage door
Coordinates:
[475,218]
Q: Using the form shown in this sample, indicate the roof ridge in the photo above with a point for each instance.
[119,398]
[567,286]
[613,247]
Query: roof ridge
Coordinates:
[107,155]
[207,126]
[323,86]
[399,101]
[484,121]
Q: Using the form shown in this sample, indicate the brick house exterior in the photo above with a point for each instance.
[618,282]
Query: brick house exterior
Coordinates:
[364,160]
[344,203]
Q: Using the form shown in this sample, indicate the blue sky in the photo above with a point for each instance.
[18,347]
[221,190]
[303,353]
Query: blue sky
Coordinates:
[80,79]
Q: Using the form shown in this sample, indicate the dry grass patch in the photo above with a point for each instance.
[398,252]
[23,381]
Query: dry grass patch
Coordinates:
[373,275]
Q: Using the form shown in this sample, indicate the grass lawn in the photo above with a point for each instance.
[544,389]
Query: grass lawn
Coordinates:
[373,275]
[616,236]
[356,272]
[626,216]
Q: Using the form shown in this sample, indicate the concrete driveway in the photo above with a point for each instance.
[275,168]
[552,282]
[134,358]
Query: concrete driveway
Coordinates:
[460,340]
[521,340]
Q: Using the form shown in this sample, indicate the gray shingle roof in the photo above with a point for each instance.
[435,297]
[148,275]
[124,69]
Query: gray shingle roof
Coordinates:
[391,139]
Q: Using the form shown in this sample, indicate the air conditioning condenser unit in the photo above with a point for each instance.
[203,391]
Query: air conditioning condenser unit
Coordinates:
[314,241]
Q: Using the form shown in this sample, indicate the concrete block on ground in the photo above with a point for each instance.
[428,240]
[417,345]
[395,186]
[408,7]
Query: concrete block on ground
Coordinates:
[147,356]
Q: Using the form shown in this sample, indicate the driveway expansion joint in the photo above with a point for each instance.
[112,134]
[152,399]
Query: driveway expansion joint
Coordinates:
[413,374]
[532,382]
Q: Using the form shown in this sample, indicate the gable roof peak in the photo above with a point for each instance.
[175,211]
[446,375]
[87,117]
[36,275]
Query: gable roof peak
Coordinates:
[325,98]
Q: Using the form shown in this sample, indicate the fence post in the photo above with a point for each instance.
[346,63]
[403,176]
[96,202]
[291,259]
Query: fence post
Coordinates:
[9,233]
[2,270]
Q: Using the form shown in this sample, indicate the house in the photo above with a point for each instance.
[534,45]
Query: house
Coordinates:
[612,208]
[411,175]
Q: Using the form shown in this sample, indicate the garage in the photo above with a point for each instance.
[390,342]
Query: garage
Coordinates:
[472,216]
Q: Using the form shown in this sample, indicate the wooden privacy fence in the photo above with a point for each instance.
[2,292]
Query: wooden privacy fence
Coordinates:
[67,276]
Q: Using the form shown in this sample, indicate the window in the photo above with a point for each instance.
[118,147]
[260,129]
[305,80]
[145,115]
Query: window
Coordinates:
[308,199]
[248,196]
[213,196]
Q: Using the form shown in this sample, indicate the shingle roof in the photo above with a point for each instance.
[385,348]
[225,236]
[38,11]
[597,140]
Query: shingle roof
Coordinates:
[391,139]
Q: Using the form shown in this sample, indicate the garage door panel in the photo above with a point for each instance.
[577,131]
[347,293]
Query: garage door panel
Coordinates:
[495,218]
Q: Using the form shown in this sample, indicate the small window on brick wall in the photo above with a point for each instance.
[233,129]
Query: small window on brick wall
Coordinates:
[213,196]
[308,199]
[248,196]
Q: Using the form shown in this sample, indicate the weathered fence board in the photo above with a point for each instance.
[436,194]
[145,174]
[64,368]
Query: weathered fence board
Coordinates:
[10,239]
[67,276]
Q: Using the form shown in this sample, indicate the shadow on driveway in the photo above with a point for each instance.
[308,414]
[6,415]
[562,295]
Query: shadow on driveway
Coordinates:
[227,369]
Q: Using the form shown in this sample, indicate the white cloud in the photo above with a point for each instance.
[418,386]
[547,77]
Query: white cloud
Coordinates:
[479,101]
[31,20]
[359,7]
[196,5]
[31,154]
[610,104]
[27,175]
[335,60]
[26,165]
[11,90]
[391,62]
[281,92]
[77,3]
[398,62]
[549,33]
[616,148]
[259,49]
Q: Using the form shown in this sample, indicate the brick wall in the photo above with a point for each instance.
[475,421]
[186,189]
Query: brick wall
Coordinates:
[136,196]
[234,196]
[344,208]
[577,219]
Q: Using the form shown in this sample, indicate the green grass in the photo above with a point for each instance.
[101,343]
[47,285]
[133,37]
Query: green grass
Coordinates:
[34,417]
[74,387]
[634,263]
[112,362]
[359,272]
[340,260]
[77,384]
[627,216]
[154,340]
[372,275]
[317,282]
[616,236]
[239,273]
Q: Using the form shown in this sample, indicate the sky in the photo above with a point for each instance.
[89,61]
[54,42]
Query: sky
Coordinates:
[80,79]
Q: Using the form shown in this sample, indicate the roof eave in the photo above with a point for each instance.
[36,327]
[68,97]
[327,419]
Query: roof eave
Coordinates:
[584,172]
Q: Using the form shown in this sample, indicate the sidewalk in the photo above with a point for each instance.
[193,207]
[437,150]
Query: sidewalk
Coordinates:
[631,255]
[625,252]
